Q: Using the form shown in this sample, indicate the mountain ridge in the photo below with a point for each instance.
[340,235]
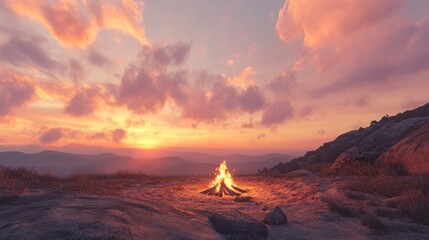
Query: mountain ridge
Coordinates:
[64,164]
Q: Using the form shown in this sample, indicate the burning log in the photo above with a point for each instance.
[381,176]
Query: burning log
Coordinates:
[238,189]
[223,183]
[208,191]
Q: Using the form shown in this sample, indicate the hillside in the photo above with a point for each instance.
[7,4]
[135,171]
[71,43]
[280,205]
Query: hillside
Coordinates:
[399,141]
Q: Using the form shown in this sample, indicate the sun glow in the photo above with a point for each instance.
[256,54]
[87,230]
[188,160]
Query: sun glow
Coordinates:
[148,143]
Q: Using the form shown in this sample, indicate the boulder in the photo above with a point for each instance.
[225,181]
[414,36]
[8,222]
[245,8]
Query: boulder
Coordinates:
[275,216]
[238,224]
[411,153]
[346,159]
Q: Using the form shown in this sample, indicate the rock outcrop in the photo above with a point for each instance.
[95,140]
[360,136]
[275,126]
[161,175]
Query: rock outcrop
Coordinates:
[347,158]
[412,152]
[77,217]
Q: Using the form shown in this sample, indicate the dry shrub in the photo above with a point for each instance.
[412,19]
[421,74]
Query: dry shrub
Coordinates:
[120,175]
[81,183]
[370,220]
[389,186]
[408,193]
[8,199]
[321,167]
[272,173]
[17,180]
[355,195]
[339,208]
[416,205]
[363,168]
[358,169]
[384,212]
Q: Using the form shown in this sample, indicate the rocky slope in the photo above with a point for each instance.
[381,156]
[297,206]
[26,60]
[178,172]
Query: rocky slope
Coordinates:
[401,140]
[411,152]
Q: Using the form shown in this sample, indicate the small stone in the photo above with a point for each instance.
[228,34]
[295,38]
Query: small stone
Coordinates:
[265,208]
[275,216]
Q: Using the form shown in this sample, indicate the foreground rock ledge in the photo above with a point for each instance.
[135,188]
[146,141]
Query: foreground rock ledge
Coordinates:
[238,224]
[275,216]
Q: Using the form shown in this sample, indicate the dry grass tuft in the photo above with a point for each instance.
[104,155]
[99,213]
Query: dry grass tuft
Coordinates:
[339,208]
[15,181]
[416,205]
[384,212]
[355,195]
[389,186]
[408,193]
[321,167]
[120,175]
[370,220]
[359,169]
[8,199]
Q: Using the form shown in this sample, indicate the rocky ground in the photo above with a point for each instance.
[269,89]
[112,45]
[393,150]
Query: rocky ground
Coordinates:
[173,208]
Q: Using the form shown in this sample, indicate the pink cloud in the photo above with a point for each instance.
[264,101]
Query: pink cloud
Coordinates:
[252,99]
[211,99]
[61,90]
[321,132]
[260,136]
[76,70]
[76,23]
[86,100]
[20,51]
[214,98]
[118,135]
[15,91]
[277,113]
[359,43]
[247,125]
[158,76]
[320,23]
[62,134]
[52,135]
[98,59]
[134,122]
[147,85]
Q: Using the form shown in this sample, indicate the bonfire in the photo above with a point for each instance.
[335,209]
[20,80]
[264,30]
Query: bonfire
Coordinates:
[223,184]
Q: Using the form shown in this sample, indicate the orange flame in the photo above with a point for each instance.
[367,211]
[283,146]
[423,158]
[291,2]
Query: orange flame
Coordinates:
[222,175]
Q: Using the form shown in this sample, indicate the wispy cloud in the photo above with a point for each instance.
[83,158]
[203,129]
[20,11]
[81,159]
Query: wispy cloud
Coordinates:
[76,23]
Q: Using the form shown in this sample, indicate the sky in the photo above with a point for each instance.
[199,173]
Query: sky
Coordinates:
[246,74]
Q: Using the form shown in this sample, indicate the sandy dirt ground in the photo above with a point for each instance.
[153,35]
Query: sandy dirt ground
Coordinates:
[173,208]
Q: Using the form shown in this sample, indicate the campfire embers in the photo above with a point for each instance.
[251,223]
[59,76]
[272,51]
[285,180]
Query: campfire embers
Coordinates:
[223,183]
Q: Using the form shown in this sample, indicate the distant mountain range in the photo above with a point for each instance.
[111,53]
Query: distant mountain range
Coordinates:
[64,164]
[400,141]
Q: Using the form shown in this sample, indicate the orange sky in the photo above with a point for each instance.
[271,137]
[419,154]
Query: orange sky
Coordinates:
[277,76]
